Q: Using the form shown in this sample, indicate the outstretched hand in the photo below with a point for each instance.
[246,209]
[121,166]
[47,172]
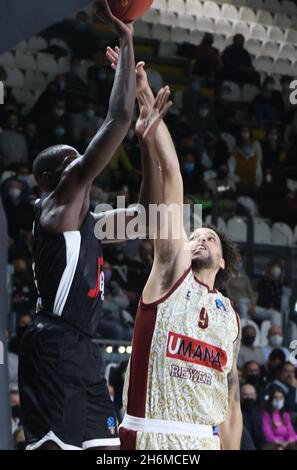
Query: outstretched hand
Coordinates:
[141,75]
[104,13]
[150,118]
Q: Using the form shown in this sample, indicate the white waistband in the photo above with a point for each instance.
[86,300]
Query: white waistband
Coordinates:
[166,427]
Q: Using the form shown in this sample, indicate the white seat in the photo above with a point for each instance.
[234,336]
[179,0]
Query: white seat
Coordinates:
[205,24]
[142,30]
[282,234]
[195,36]
[160,4]
[177,6]
[151,16]
[282,20]
[264,17]
[24,96]
[46,63]
[167,49]
[263,64]
[194,7]
[289,8]
[265,327]
[240,27]
[169,18]
[222,26]
[35,80]
[211,9]
[258,32]
[294,68]
[237,229]
[36,43]
[25,60]
[275,33]
[271,49]
[262,231]
[60,43]
[181,35]
[282,66]
[187,21]
[7,60]
[229,12]
[291,36]
[235,91]
[247,14]
[256,4]
[249,92]
[161,32]
[295,235]
[64,64]
[219,41]
[254,46]
[272,5]
[21,46]
[247,322]
[155,79]
[15,78]
[84,66]
[221,225]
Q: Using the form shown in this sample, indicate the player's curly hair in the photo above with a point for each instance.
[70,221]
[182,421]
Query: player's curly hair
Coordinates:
[230,255]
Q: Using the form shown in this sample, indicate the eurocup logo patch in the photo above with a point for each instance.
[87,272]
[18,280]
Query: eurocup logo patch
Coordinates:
[111,424]
[220,305]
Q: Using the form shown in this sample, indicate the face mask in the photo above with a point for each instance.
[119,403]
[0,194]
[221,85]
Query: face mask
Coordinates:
[248,340]
[204,112]
[107,275]
[278,404]
[16,411]
[247,150]
[59,112]
[81,26]
[276,340]
[273,136]
[90,113]
[59,131]
[269,178]
[253,379]
[189,167]
[31,133]
[88,140]
[102,75]
[239,266]
[245,135]
[248,403]
[276,272]
[270,87]
[14,193]
[62,85]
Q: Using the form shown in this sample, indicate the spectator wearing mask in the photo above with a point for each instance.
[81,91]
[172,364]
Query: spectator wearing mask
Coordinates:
[286,380]
[274,154]
[252,374]
[192,175]
[204,123]
[251,414]
[288,107]
[76,89]
[24,320]
[19,211]
[86,119]
[249,352]
[237,63]
[16,415]
[240,290]
[245,165]
[270,287]
[268,105]
[98,82]
[54,90]
[272,365]
[13,147]
[116,380]
[276,422]
[33,139]
[56,126]
[275,341]
[207,59]
[192,96]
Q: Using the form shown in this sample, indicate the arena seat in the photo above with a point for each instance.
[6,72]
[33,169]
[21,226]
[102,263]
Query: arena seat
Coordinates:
[264,64]
[235,94]
[211,10]
[60,43]
[177,6]
[160,5]
[25,60]
[247,14]
[34,80]
[221,225]
[274,6]
[142,29]
[167,49]
[169,18]
[36,43]
[194,7]
[254,46]
[205,24]
[281,234]
[237,229]
[249,92]
[271,49]
[222,26]
[230,12]
[289,7]
[187,21]
[15,78]
[274,33]
[7,60]
[262,231]
[282,20]
[291,36]
[195,37]
[161,32]
[181,35]
[46,63]
[151,16]
[240,27]
[282,67]
[258,31]
[265,326]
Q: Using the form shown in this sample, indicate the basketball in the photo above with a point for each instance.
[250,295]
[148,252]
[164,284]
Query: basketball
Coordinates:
[129,10]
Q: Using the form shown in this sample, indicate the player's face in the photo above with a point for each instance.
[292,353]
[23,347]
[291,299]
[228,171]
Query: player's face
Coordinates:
[63,162]
[206,249]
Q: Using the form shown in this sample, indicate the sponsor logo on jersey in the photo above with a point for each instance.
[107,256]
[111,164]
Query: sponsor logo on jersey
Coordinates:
[188,295]
[195,351]
[195,375]
[220,305]
[111,424]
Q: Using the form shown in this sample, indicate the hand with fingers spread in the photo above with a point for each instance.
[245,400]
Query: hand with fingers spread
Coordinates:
[141,75]
[150,118]
[103,12]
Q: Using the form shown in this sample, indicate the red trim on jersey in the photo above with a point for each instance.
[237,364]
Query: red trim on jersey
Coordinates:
[127,438]
[162,299]
[237,319]
[142,338]
[93,293]
[210,291]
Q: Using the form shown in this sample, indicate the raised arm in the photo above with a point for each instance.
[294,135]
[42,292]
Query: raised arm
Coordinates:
[231,429]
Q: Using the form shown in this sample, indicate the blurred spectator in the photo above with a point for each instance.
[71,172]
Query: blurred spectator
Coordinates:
[54,91]
[204,122]
[86,119]
[270,287]
[248,352]
[192,175]
[252,374]
[24,320]
[251,414]
[207,58]
[274,154]
[286,380]
[56,125]
[246,163]
[98,82]
[275,341]
[13,147]
[116,380]
[34,141]
[240,290]
[268,104]
[237,63]
[273,363]
[277,425]
[16,415]
[76,90]
[18,439]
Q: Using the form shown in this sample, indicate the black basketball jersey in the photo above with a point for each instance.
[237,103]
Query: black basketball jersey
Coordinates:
[68,273]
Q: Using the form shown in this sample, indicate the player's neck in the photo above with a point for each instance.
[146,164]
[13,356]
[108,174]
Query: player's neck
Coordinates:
[207,277]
